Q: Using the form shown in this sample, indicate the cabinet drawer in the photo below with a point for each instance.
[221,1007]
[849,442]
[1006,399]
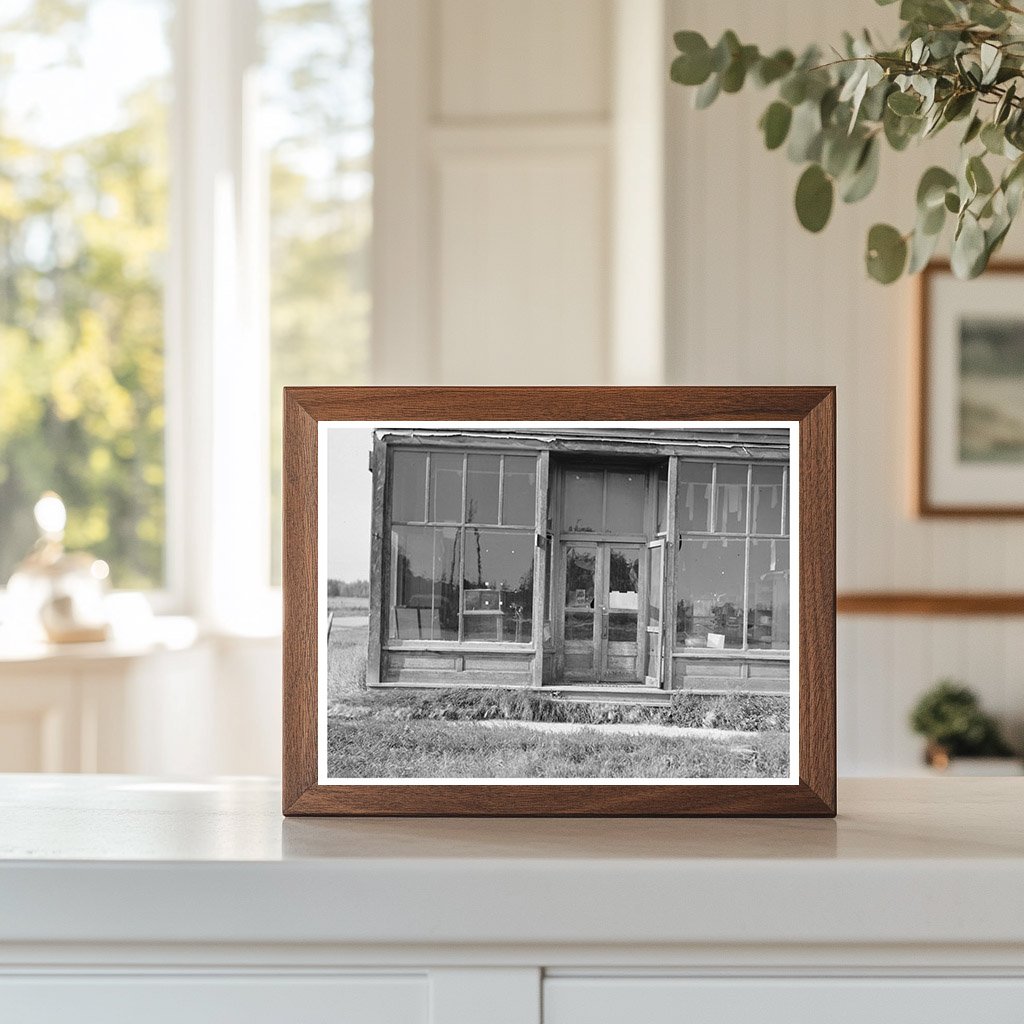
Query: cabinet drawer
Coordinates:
[202,999]
[660,1000]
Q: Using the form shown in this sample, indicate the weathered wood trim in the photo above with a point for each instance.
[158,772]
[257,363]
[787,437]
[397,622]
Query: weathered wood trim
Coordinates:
[378,569]
[540,581]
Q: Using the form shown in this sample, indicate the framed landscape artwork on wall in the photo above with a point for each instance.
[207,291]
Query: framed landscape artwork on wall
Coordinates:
[518,602]
[970,450]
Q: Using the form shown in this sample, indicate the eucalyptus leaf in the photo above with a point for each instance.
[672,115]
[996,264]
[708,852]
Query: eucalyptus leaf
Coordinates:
[931,190]
[865,173]
[968,247]
[922,248]
[993,138]
[886,253]
[904,103]
[775,122]
[707,93]
[805,133]
[978,176]
[814,195]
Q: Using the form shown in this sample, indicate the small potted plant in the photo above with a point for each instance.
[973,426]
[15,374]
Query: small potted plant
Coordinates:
[950,718]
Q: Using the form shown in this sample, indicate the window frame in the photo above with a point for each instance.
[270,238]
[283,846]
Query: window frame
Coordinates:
[461,526]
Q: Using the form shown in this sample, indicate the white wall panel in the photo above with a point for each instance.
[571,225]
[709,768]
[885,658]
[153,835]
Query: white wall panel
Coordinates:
[754,299]
[527,58]
[522,281]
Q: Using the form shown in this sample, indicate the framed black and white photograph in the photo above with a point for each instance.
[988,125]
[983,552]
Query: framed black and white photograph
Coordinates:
[542,605]
[971,393]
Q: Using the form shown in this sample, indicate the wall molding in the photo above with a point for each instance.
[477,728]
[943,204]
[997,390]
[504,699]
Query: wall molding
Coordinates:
[929,603]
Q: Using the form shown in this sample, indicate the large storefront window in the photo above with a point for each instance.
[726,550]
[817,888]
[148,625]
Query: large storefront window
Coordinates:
[461,560]
[604,501]
[733,557]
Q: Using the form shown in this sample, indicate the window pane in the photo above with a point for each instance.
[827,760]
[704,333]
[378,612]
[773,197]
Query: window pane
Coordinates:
[445,488]
[408,487]
[625,511]
[424,583]
[83,239]
[709,611]
[520,490]
[482,475]
[580,565]
[768,595]
[498,592]
[584,500]
[655,587]
[768,499]
[693,510]
[731,499]
[623,593]
[316,126]
[662,500]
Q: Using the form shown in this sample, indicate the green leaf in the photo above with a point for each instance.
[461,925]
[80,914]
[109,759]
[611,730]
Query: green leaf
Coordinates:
[969,255]
[903,103]
[993,138]
[886,254]
[952,202]
[973,129]
[707,93]
[775,124]
[693,65]
[814,194]
[978,176]
[1004,106]
[805,133]
[987,15]
[922,247]
[865,173]
[794,89]
[931,191]
[735,74]
[771,69]
[725,49]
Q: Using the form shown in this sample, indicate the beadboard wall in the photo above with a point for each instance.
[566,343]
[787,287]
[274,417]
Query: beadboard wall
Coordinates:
[551,210]
[752,298]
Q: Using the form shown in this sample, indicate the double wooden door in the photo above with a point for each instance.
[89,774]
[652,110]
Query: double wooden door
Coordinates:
[611,589]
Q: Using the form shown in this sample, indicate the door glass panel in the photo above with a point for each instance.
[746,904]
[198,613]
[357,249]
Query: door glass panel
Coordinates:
[520,494]
[768,590]
[445,488]
[408,484]
[623,594]
[625,503]
[654,588]
[584,500]
[731,499]
[424,603]
[482,474]
[693,505]
[580,564]
[498,588]
[767,499]
[709,611]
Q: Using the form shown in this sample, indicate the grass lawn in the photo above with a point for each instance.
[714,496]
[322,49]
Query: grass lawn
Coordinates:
[438,733]
[370,748]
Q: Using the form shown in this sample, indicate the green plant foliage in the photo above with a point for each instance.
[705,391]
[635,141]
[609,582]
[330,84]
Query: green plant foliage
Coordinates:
[955,60]
[949,715]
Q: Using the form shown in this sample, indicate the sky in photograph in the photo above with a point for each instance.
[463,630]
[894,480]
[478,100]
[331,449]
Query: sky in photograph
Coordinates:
[349,493]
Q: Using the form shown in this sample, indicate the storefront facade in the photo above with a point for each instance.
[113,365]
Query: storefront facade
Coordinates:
[621,564]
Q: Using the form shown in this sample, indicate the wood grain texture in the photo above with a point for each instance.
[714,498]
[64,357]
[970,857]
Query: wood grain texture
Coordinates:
[813,407]
[929,603]
[923,504]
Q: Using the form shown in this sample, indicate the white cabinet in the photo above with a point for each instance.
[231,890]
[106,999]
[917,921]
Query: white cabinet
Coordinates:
[823,1000]
[241,999]
[145,899]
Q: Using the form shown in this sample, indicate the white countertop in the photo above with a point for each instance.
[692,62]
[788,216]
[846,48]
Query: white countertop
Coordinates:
[122,859]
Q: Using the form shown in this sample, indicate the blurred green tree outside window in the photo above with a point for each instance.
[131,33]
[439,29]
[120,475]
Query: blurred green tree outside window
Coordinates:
[317,118]
[83,237]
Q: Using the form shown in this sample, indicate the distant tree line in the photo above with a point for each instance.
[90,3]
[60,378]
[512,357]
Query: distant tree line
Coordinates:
[357,588]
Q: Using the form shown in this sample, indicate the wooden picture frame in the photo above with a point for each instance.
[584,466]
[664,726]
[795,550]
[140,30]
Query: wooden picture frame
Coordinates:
[808,413]
[953,476]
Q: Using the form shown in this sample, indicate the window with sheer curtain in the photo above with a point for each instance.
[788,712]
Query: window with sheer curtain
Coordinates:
[98,165]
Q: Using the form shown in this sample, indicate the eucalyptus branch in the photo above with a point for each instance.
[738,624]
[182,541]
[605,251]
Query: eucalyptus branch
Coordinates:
[954,59]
